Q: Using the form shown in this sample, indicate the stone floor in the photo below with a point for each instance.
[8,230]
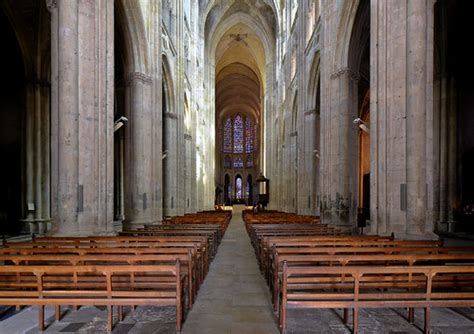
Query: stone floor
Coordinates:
[235,299]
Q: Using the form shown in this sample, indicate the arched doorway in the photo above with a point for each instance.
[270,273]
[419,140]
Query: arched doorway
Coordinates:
[12,130]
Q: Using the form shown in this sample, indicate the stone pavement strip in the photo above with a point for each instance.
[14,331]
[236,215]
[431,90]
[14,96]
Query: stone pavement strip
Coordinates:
[234,297]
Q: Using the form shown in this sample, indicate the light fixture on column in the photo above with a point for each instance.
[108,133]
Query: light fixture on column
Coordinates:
[120,122]
[362,125]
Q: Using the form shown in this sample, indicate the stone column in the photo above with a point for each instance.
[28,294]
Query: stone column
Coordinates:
[401,120]
[29,208]
[170,163]
[339,141]
[82,116]
[42,144]
[416,116]
[139,152]
[37,197]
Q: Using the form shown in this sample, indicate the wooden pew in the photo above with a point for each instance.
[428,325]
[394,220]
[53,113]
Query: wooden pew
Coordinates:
[264,247]
[121,241]
[77,247]
[91,285]
[105,258]
[355,287]
[402,257]
[209,235]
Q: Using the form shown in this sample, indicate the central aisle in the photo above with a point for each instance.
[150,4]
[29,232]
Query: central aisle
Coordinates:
[234,297]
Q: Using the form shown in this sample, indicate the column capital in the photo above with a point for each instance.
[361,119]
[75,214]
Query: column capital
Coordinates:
[345,70]
[138,76]
[170,115]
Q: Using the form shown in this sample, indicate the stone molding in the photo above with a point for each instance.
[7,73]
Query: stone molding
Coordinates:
[51,4]
[170,115]
[138,76]
[343,71]
[311,111]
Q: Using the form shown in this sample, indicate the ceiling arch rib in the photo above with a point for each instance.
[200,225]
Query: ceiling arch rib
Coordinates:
[241,92]
[246,85]
[239,101]
[237,88]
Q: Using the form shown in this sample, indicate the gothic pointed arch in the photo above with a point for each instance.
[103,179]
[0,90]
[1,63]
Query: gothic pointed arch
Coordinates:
[129,18]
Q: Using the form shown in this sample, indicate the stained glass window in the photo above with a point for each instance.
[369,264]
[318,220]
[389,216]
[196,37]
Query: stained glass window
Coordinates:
[227,162]
[248,135]
[238,188]
[228,136]
[249,162]
[247,189]
[255,135]
[238,134]
[238,162]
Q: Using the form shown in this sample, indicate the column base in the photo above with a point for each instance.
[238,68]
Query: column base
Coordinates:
[36,226]
[136,224]
[421,236]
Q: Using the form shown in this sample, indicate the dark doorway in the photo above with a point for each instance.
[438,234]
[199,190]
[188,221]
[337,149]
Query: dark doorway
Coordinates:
[227,190]
[249,190]
[12,107]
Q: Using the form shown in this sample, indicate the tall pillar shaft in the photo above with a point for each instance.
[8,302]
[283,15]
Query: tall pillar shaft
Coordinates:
[401,119]
[140,192]
[37,196]
[339,141]
[416,105]
[82,117]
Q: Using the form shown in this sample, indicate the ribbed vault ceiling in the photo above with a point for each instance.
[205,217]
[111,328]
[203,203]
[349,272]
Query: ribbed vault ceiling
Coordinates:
[240,72]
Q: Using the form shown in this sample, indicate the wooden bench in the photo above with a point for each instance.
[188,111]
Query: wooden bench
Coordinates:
[104,258]
[403,257]
[357,287]
[105,285]
[187,227]
[122,242]
[202,257]
[210,236]
[264,247]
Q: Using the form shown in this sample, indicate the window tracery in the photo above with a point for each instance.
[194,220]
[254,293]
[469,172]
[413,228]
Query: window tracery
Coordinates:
[228,135]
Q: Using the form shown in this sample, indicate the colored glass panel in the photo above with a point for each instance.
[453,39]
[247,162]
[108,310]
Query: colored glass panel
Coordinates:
[228,136]
[238,163]
[249,135]
[238,134]
[238,188]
